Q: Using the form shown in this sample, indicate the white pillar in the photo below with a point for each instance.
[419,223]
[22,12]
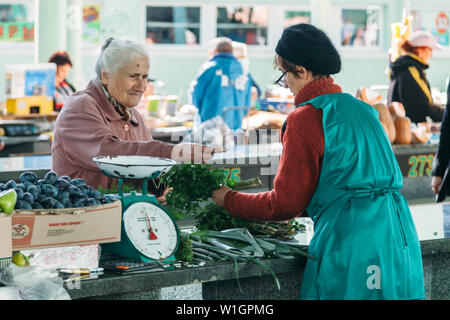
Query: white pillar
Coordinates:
[74,27]
[52,28]
[321,14]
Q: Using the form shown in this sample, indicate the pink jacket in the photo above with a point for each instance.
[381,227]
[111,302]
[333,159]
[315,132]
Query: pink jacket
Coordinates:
[89,126]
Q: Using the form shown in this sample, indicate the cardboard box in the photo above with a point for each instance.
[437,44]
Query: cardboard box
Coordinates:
[27,80]
[34,229]
[5,241]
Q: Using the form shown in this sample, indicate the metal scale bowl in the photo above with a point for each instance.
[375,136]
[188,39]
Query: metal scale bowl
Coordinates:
[149,232]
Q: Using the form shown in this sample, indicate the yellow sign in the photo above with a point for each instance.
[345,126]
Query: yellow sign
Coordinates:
[420,165]
[30,105]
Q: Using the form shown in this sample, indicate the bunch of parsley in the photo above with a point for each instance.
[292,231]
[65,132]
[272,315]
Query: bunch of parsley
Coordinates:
[192,185]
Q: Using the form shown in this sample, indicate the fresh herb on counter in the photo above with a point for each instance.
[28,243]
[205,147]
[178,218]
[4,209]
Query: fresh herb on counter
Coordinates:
[184,251]
[237,245]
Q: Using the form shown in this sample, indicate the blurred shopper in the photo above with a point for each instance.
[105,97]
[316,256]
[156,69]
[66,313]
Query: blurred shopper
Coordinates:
[347,32]
[365,243]
[441,161]
[408,82]
[358,38]
[63,89]
[101,120]
[221,84]
[240,51]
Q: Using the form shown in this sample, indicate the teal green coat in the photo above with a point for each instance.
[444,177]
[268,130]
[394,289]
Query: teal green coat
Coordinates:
[364,240]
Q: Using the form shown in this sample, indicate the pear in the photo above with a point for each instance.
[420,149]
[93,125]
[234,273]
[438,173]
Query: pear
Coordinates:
[20,260]
[8,200]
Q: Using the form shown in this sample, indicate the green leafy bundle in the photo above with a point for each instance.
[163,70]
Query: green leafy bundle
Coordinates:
[192,187]
[192,184]
[214,217]
[237,245]
[184,251]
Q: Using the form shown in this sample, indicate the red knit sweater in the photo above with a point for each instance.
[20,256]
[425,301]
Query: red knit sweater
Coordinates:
[299,168]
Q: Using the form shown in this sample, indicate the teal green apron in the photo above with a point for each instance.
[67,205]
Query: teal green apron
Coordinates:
[364,240]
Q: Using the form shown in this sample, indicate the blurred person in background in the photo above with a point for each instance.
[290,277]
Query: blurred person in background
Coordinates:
[63,89]
[358,38]
[347,32]
[240,51]
[441,161]
[408,82]
[222,83]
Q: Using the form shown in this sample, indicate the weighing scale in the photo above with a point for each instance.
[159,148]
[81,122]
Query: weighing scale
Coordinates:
[149,232]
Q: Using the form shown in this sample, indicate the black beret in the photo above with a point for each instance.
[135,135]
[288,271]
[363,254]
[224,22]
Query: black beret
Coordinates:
[305,45]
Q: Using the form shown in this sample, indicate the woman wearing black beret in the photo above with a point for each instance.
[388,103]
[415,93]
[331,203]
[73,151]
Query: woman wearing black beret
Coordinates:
[338,167]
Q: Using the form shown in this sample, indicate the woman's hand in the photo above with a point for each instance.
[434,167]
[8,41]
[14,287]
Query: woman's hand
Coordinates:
[162,199]
[436,183]
[218,196]
[193,153]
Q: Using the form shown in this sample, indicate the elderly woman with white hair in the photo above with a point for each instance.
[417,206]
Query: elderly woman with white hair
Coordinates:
[101,121]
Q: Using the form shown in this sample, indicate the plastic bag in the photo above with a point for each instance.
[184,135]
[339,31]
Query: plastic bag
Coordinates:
[211,132]
[10,293]
[34,283]
[85,256]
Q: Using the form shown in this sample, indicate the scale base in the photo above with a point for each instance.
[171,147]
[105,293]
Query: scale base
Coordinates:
[122,249]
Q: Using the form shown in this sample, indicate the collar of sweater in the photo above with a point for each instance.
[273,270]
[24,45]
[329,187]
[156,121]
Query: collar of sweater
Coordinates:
[317,88]
[123,111]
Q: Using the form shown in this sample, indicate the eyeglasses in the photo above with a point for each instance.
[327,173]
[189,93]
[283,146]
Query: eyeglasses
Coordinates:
[281,81]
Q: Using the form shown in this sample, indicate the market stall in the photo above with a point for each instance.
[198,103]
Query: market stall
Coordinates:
[197,257]
[27,116]
[204,277]
[25,136]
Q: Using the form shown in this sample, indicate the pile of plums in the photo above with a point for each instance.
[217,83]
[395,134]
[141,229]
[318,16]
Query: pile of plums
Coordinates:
[54,192]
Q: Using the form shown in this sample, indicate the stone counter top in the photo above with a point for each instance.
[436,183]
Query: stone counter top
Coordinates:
[114,285]
[219,280]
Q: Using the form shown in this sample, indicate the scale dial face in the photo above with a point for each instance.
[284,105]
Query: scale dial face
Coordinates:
[151,230]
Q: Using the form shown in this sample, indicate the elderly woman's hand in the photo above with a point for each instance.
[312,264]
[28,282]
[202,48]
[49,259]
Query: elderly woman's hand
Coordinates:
[218,195]
[193,153]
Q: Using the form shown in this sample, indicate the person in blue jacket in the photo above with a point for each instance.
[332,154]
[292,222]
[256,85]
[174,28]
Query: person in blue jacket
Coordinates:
[222,84]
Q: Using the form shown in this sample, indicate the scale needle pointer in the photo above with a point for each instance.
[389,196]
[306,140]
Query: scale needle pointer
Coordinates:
[152,234]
